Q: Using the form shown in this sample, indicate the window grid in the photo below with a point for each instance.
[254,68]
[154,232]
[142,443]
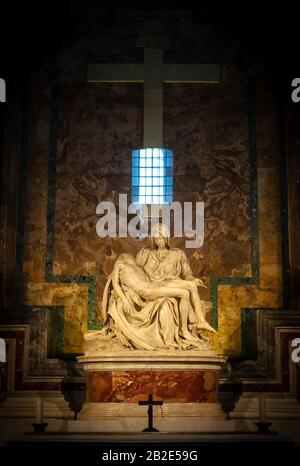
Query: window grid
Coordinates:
[152,176]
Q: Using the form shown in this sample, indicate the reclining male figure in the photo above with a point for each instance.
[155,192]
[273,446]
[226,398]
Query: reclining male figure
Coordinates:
[127,271]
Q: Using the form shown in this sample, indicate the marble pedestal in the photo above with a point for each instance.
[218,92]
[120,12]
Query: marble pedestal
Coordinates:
[186,381]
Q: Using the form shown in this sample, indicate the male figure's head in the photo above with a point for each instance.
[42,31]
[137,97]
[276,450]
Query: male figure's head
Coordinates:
[127,258]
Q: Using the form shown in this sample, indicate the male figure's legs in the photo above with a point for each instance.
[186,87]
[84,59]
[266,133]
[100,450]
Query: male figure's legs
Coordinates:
[189,285]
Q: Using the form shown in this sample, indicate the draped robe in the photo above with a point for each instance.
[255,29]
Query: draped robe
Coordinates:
[152,324]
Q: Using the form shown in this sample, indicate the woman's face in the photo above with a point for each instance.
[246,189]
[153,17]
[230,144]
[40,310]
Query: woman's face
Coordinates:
[159,241]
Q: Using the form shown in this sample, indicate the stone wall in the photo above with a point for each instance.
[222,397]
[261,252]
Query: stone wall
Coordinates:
[77,150]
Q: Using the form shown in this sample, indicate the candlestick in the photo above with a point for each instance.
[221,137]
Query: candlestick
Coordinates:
[38,428]
[263,425]
[262,409]
[39,410]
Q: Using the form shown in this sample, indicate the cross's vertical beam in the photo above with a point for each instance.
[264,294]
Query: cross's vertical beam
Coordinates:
[150,403]
[150,414]
[2,90]
[153,99]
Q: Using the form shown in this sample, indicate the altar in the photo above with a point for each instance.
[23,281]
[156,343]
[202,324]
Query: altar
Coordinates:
[187,384]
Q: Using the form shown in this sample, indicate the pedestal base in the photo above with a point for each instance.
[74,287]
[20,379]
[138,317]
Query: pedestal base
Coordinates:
[186,381]
[164,423]
[171,417]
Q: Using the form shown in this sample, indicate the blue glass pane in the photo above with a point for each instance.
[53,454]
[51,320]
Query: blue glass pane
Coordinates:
[169,161]
[135,190]
[135,161]
[135,181]
[135,171]
[148,153]
[158,162]
[169,180]
[169,171]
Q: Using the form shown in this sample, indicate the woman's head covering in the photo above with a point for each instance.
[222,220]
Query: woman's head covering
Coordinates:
[160,230]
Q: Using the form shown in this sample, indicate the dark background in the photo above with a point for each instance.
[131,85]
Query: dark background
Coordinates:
[29,30]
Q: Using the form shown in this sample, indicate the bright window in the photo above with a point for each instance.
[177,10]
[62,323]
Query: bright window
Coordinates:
[152,176]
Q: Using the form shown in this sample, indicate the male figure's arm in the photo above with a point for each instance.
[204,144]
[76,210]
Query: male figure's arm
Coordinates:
[118,289]
[186,271]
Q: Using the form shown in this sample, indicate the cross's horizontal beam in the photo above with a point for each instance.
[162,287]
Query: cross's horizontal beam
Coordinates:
[151,402]
[169,73]
[115,72]
[153,73]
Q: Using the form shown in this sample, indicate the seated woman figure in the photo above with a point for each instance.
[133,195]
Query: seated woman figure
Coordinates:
[152,303]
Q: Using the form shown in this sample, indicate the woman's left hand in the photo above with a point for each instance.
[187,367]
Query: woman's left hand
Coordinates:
[200,282]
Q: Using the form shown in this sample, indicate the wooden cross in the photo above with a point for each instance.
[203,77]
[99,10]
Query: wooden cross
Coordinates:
[153,73]
[150,403]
